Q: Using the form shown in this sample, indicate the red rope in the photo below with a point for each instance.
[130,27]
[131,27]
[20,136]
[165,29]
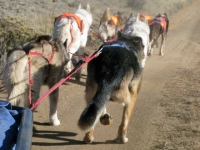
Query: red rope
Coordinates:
[97,35]
[33,53]
[87,59]
[30,80]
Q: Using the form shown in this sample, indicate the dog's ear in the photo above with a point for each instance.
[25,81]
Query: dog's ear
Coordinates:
[88,8]
[106,15]
[79,7]
[138,17]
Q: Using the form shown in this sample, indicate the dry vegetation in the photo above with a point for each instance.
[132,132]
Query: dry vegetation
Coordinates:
[29,18]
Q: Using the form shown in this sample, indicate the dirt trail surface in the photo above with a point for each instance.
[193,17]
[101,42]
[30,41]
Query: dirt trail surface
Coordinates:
[167,112]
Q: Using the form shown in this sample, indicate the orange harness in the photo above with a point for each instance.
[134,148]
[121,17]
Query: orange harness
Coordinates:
[161,21]
[149,18]
[115,20]
[75,17]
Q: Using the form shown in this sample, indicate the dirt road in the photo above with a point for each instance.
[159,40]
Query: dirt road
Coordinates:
[167,112]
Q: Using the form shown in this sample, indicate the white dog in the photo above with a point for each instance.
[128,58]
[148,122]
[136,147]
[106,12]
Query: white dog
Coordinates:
[73,28]
[137,27]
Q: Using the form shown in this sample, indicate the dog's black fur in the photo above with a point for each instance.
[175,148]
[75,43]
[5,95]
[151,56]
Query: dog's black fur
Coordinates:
[118,61]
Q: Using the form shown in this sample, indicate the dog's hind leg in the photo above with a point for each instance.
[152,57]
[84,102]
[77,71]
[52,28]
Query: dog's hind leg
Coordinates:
[162,44]
[53,100]
[122,131]
[16,94]
[128,108]
[80,57]
[73,48]
[150,48]
[14,77]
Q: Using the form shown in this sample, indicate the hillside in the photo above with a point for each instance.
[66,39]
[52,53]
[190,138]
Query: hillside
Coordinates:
[38,15]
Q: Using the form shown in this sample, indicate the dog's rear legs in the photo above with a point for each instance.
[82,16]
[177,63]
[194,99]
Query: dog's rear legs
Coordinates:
[162,44]
[150,48]
[122,131]
[53,102]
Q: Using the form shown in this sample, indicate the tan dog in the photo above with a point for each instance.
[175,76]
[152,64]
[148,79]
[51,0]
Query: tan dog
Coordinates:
[110,25]
[45,62]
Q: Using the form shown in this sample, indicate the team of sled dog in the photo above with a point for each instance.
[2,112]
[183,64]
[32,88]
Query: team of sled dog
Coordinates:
[114,75]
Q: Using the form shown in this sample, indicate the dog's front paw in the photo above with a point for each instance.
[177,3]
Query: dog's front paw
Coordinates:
[106,119]
[122,140]
[55,122]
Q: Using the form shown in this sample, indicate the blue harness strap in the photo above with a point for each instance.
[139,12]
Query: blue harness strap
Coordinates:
[118,44]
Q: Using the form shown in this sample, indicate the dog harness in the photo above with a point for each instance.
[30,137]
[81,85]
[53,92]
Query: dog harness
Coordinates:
[149,18]
[115,20]
[118,44]
[34,53]
[161,21]
[75,17]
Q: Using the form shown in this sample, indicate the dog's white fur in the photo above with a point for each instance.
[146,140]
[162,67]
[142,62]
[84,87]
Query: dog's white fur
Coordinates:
[76,40]
[140,28]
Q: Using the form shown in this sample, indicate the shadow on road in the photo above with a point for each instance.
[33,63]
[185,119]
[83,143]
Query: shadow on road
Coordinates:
[61,137]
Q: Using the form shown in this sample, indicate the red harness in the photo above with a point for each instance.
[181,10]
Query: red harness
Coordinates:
[75,17]
[34,53]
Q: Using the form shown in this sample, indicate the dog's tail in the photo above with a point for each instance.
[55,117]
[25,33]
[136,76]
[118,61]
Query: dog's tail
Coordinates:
[15,77]
[93,110]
